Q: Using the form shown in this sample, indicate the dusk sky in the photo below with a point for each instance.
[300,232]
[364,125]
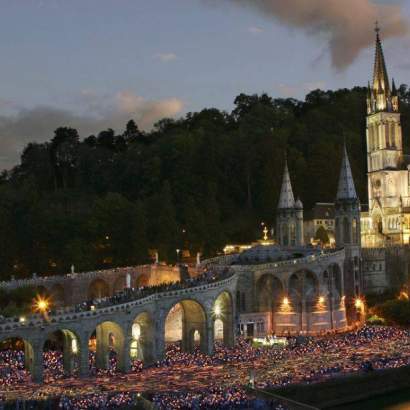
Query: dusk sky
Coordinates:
[93,64]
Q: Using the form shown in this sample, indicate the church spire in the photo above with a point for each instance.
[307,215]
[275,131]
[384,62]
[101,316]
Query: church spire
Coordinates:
[346,189]
[381,93]
[380,78]
[286,199]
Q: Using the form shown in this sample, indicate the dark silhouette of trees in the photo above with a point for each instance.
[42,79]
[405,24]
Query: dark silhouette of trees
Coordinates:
[194,183]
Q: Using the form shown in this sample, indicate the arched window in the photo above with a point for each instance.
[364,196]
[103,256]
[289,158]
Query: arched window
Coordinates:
[393,134]
[354,230]
[387,130]
[292,234]
[346,231]
[285,235]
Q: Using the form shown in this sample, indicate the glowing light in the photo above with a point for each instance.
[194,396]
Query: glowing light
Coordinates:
[217,310]
[41,304]
[92,307]
[286,301]
[22,319]
[321,300]
[74,346]
[358,303]
[404,295]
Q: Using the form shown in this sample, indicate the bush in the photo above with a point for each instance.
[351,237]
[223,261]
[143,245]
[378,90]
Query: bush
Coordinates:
[396,312]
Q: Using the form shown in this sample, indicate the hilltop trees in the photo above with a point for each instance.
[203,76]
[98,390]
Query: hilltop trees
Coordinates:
[194,183]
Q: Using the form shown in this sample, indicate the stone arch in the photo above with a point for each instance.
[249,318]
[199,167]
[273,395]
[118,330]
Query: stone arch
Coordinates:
[57,294]
[62,344]
[183,319]
[334,280]
[269,290]
[303,289]
[97,289]
[119,284]
[21,350]
[110,344]
[142,280]
[142,342]
[223,318]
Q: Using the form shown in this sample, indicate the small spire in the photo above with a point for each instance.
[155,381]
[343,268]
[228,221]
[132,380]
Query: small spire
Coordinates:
[286,199]
[346,188]
[393,88]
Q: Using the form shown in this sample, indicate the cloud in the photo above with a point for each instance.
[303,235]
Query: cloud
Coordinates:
[101,112]
[255,30]
[345,24]
[166,57]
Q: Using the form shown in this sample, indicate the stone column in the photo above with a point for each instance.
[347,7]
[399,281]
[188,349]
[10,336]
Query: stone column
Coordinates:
[38,366]
[209,335]
[102,350]
[158,341]
[68,356]
[84,367]
[124,358]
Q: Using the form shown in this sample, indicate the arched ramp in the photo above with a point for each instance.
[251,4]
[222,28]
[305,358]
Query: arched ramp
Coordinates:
[142,338]
[222,313]
[186,323]
[97,289]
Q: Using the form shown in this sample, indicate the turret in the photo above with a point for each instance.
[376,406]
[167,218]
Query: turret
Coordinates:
[347,218]
[289,220]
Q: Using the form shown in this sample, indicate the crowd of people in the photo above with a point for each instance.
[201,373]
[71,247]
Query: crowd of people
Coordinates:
[131,294]
[217,381]
[214,398]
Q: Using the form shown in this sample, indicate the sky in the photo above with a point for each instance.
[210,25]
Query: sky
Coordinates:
[94,64]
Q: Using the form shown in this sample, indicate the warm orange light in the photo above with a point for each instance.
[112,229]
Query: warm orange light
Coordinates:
[358,303]
[41,304]
[286,301]
[321,300]
[404,295]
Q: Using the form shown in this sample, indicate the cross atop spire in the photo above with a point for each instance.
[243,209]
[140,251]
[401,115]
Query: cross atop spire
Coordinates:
[286,199]
[346,188]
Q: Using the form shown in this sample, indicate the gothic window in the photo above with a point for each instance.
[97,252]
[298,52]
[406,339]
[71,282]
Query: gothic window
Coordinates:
[285,235]
[387,130]
[354,230]
[392,134]
[292,234]
[346,231]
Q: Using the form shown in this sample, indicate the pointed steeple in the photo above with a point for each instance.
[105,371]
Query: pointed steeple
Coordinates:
[393,88]
[286,199]
[346,189]
[380,78]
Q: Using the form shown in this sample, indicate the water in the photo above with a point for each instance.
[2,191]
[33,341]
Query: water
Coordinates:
[393,401]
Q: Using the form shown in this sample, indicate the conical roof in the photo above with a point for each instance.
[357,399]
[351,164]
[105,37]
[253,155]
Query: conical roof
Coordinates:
[286,199]
[380,78]
[346,189]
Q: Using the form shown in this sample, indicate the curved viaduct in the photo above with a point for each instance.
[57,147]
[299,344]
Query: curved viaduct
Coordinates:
[113,326]
[74,288]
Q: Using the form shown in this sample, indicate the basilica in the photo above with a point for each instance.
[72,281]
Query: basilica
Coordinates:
[290,284]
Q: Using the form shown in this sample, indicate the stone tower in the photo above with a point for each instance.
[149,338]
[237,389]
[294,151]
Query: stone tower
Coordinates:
[388,175]
[289,220]
[347,229]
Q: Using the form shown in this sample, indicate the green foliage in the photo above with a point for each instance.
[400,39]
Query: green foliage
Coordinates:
[396,312]
[321,235]
[17,301]
[197,182]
